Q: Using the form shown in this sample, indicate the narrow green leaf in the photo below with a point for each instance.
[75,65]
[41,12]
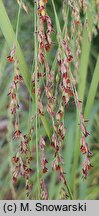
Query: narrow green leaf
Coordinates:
[92,90]
[9,35]
[83,69]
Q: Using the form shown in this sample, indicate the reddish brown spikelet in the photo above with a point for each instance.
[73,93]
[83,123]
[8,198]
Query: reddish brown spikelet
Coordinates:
[18,78]
[45,170]
[15,159]
[10,59]
[58,168]
[53,144]
[87,166]
[17,134]
[42,143]
[47,47]
[14,179]
[83,149]
[45,1]
[70,58]
[29,171]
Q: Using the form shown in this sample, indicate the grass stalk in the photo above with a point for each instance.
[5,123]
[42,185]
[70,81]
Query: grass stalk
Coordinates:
[36,94]
[92,90]
[60,34]
[81,91]
[9,138]
[83,69]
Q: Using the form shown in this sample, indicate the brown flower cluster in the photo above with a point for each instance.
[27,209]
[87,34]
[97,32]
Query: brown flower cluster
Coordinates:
[65,87]
[84,147]
[22,159]
[44,34]
[68,88]
[85,150]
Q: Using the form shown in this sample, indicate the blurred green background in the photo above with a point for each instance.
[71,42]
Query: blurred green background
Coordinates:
[88,189]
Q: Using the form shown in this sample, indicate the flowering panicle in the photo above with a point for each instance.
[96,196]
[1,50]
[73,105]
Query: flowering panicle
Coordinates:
[44,45]
[56,144]
[44,38]
[55,91]
[58,136]
[68,79]
[76,32]
[22,159]
[65,84]
[17,79]
[85,150]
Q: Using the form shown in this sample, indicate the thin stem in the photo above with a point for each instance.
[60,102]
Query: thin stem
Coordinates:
[81,92]
[92,90]
[18,19]
[15,63]
[59,41]
[36,95]
[11,150]
[69,191]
